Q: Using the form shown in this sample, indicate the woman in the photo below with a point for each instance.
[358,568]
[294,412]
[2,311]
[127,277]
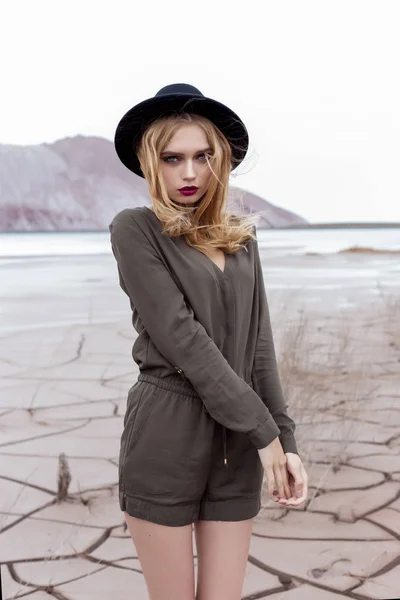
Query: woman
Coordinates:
[206,417]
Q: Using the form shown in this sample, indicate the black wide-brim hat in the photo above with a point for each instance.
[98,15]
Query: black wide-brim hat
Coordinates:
[172,99]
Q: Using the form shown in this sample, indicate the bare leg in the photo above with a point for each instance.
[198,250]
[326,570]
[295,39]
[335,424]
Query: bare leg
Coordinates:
[166,558]
[222,552]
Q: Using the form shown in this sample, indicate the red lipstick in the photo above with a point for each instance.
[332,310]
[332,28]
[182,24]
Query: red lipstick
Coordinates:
[188,190]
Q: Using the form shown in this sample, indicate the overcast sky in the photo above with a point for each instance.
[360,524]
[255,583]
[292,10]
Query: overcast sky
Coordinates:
[316,83]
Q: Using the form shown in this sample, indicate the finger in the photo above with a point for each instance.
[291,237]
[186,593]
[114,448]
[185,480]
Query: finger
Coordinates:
[279,482]
[305,481]
[285,478]
[271,483]
[296,501]
[293,488]
[304,473]
[291,484]
[303,488]
[295,479]
[286,488]
[301,492]
[273,489]
[300,478]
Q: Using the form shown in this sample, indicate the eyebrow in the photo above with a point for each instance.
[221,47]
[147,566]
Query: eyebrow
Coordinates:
[181,154]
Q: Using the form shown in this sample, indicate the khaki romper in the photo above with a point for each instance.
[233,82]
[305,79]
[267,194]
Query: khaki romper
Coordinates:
[208,394]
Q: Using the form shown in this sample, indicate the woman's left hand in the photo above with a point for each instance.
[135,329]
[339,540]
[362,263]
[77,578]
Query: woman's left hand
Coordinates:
[298,481]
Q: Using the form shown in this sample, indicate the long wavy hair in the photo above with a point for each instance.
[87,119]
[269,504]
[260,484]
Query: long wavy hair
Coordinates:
[208,224]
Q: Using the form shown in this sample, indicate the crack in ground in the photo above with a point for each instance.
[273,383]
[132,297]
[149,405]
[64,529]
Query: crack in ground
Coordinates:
[290,579]
[265,593]
[84,402]
[73,497]
[391,565]
[355,489]
[317,539]
[23,517]
[103,561]
[93,546]
[40,520]
[44,435]
[46,588]
[28,484]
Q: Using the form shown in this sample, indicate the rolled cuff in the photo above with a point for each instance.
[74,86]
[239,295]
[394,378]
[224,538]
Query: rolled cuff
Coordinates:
[264,434]
[288,443]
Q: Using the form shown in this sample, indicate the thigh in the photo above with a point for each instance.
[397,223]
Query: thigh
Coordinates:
[166,558]
[222,553]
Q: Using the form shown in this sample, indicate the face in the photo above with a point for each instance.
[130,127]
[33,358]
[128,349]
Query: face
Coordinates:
[183,164]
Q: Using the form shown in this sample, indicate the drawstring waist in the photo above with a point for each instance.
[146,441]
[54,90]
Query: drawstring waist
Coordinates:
[224,445]
[182,385]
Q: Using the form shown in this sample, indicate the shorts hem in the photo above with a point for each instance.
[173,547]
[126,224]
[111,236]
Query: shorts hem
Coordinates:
[173,516]
[237,509]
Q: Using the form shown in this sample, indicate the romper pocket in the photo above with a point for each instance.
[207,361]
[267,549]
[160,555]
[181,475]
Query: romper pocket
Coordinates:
[170,449]
[143,411]
[132,406]
[139,407]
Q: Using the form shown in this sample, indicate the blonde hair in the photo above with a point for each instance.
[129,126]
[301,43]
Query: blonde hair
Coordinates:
[207,225]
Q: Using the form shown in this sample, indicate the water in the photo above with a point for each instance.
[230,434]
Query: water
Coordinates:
[24,245]
[278,242]
[53,280]
[326,241]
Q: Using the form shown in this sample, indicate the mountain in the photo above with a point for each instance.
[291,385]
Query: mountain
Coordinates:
[78,183]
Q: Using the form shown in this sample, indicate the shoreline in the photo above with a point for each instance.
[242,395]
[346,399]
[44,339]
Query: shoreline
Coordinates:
[355,225]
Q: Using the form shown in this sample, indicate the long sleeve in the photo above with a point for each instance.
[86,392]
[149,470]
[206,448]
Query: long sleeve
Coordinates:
[180,338]
[266,369]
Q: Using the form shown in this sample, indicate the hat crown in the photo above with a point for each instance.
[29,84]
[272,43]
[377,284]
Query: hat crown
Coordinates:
[179,89]
[177,98]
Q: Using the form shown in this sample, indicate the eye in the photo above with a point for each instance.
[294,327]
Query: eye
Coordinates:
[205,157]
[175,159]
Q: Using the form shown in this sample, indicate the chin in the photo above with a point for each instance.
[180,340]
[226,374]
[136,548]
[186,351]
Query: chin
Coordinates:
[187,203]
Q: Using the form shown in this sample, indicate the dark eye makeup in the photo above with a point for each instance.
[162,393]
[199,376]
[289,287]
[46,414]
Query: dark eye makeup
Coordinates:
[167,158]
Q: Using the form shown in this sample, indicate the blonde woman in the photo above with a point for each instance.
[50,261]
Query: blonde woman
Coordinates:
[206,417]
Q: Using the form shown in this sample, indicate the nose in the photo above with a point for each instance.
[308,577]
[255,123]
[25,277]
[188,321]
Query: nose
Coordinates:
[189,173]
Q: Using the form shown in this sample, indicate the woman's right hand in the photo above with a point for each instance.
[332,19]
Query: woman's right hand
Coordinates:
[274,461]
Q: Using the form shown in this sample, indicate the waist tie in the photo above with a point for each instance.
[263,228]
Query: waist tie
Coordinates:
[182,384]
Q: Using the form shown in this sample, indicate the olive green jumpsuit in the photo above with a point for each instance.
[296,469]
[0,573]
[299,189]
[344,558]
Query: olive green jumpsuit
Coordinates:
[208,394]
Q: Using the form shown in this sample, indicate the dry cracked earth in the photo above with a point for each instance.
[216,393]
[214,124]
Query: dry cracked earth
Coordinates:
[63,396]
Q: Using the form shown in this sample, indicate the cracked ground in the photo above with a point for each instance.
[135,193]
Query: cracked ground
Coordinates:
[66,367]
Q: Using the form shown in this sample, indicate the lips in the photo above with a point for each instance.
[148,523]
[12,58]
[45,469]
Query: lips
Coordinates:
[188,190]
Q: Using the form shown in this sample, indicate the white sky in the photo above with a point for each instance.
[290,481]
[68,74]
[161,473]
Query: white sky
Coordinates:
[315,81]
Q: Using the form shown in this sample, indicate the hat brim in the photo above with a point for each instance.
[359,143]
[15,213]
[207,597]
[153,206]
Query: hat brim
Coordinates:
[134,123]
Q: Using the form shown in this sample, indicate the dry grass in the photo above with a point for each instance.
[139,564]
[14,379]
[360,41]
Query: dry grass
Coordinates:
[330,367]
